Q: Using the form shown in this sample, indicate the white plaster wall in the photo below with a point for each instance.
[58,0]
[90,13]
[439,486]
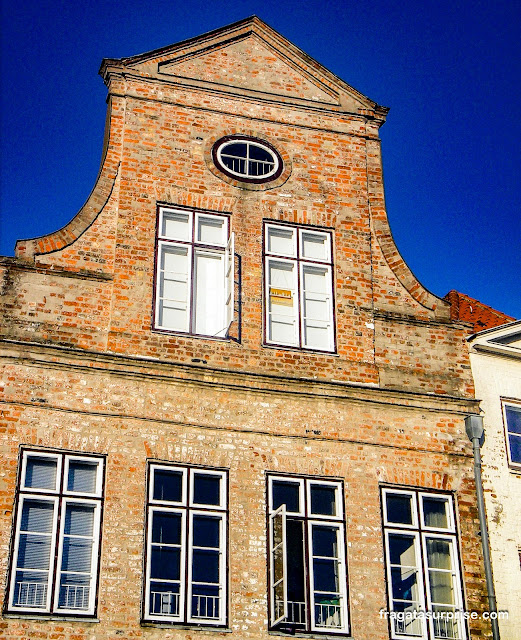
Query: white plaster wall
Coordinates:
[499,377]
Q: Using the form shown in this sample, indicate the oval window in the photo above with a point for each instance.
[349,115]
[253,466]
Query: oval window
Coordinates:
[247,159]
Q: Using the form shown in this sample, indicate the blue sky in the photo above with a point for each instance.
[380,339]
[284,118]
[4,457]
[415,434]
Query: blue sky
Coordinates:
[450,72]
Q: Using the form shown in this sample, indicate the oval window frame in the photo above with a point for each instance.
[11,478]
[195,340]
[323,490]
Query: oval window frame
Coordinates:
[263,144]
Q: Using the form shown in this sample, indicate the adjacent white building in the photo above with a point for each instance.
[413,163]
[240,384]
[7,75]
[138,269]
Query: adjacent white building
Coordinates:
[495,356]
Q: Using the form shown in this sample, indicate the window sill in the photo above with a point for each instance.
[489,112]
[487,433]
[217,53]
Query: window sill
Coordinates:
[286,347]
[52,616]
[312,634]
[190,627]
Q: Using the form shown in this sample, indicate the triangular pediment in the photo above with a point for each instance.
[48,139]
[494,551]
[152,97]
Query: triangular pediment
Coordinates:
[250,58]
[251,64]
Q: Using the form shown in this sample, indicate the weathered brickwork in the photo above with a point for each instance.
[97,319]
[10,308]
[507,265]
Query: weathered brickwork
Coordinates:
[85,371]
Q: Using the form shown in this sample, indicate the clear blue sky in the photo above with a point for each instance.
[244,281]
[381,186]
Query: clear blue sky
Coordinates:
[450,72]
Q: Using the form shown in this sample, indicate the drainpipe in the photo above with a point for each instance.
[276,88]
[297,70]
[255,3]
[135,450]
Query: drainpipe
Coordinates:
[476,434]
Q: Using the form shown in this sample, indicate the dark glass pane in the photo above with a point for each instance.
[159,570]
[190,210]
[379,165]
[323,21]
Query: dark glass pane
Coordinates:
[166,528]
[74,591]
[77,555]
[325,542]
[168,485]
[79,520]
[237,149]
[206,531]
[205,566]
[515,448]
[323,500]
[238,166]
[82,476]
[30,589]
[207,489]
[401,550]
[513,419]
[435,512]
[438,554]
[286,493]
[165,563]
[404,582]
[399,508]
[205,601]
[258,153]
[37,516]
[34,551]
[325,575]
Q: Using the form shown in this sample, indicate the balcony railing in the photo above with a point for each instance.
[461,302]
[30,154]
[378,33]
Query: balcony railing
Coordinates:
[164,603]
[74,596]
[205,607]
[31,594]
[328,615]
[445,628]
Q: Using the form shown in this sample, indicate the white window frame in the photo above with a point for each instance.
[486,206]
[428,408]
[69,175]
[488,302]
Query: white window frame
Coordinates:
[194,247]
[309,522]
[516,465]
[220,151]
[187,509]
[300,263]
[421,534]
[60,499]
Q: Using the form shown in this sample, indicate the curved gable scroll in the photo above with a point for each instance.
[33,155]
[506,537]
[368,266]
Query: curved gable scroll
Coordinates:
[29,249]
[423,296]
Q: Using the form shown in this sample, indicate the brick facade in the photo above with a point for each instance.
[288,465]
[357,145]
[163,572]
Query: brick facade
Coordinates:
[85,370]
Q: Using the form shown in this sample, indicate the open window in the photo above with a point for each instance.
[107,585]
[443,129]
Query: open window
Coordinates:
[185,579]
[308,584]
[194,273]
[54,565]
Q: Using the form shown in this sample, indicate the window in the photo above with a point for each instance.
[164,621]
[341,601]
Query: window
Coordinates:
[307,568]
[299,289]
[247,159]
[186,546]
[194,273]
[57,534]
[512,415]
[422,564]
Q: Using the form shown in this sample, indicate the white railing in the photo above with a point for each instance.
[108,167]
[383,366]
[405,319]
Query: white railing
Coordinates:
[445,627]
[327,615]
[164,603]
[74,596]
[409,626]
[205,606]
[31,594]
[296,611]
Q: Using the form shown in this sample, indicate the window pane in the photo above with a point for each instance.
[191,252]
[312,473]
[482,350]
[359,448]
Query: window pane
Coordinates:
[207,489]
[435,512]
[325,575]
[82,476]
[37,516]
[515,448]
[166,527]
[211,230]
[237,149]
[173,288]
[323,500]
[317,307]
[206,531]
[402,550]
[513,415]
[438,554]
[282,305]
[296,568]
[315,246]
[168,485]
[40,473]
[399,508]
[209,294]
[205,601]
[405,583]
[77,555]
[34,551]
[165,563]
[287,493]
[205,566]
[325,541]
[281,241]
[176,226]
